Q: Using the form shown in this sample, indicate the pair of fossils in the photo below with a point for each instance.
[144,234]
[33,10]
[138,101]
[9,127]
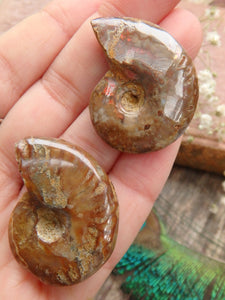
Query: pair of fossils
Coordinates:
[64,227]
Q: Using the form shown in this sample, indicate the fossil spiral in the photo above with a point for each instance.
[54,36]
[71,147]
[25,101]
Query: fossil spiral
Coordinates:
[64,227]
[148,97]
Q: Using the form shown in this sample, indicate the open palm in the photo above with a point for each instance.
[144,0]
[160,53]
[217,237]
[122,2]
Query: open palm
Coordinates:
[49,65]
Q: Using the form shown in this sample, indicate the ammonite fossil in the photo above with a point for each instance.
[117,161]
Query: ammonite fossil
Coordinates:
[149,96]
[64,227]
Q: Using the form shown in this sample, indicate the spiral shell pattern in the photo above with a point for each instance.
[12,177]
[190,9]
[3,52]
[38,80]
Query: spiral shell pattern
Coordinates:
[64,227]
[148,97]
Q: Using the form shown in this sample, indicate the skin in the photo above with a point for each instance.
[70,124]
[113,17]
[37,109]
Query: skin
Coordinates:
[49,65]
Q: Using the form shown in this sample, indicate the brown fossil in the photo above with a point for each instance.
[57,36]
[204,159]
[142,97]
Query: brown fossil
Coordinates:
[149,96]
[64,227]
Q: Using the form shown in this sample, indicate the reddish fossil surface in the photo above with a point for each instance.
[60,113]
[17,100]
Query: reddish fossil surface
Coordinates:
[64,227]
[148,97]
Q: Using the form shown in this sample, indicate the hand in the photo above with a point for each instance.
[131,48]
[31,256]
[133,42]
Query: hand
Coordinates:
[49,65]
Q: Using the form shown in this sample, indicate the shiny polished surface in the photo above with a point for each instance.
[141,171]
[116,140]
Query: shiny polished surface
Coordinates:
[149,96]
[64,227]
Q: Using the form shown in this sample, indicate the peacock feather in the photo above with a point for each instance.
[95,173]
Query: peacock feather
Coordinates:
[158,267]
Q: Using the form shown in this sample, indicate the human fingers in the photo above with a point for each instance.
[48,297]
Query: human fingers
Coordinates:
[185,31]
[28,49]
[46,33]
[121,194]
[63,91]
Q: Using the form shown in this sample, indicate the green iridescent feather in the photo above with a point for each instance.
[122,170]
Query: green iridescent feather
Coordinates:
[160,268]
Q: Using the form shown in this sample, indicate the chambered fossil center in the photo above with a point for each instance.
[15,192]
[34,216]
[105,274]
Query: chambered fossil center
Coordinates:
[132,99]
[49,227]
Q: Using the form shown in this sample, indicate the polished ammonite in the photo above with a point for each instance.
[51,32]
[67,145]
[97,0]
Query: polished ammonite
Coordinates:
[149,96]
[64,227]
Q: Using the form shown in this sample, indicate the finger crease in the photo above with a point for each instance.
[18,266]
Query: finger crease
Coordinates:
[61,89]
[109,9]
[9,73]
[58,23]
[6,169]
